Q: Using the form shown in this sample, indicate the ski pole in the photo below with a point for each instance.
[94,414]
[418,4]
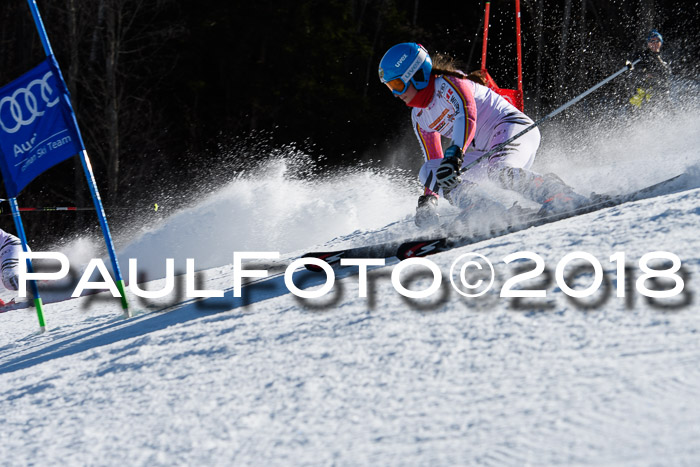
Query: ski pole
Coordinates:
[628,66]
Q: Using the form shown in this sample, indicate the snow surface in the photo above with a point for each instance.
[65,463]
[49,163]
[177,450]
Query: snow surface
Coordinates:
[271,379]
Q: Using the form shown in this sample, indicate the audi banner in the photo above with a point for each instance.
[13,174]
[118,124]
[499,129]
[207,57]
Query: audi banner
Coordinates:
[37,126]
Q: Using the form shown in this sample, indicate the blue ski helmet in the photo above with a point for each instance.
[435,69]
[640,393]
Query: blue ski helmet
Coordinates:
[655,34]
[403,64]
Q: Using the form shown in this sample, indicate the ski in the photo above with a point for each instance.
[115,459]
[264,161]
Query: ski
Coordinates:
[10,305]
[379,250]
[419,247]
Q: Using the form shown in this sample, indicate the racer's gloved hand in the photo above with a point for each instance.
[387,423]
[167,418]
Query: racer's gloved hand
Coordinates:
[426,212]
[447,173]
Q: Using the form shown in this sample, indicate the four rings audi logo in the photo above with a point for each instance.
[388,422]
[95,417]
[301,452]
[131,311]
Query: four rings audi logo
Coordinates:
[26,104]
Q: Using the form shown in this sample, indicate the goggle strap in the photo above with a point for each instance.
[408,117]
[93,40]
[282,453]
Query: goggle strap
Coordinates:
[417,62]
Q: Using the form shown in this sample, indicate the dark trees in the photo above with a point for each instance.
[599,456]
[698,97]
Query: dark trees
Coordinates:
[161,86]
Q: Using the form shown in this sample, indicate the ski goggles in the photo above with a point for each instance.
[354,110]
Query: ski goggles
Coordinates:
[397,86]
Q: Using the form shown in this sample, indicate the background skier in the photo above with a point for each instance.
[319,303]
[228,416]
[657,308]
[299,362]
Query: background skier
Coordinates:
[652,79]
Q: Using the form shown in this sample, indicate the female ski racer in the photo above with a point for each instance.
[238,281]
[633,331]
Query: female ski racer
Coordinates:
[475,119]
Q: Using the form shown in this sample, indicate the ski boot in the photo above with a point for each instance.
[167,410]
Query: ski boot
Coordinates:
[562,202]
[426,212]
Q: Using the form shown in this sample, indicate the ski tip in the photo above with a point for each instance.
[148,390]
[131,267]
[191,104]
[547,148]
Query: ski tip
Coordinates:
[420,248]
[13,305]
[331,257]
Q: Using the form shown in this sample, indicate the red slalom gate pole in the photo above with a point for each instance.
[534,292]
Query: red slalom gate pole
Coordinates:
[519,48]
[486,36]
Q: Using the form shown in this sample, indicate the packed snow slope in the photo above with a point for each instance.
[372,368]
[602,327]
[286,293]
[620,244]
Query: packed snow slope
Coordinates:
[271,379]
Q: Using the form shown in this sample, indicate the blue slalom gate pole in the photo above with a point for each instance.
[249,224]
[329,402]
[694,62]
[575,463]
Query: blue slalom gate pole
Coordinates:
[38,304]
[105,228]
[40,27]
[87,168]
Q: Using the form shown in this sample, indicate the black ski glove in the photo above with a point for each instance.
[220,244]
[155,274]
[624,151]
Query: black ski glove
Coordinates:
[447,173]
[426,212]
